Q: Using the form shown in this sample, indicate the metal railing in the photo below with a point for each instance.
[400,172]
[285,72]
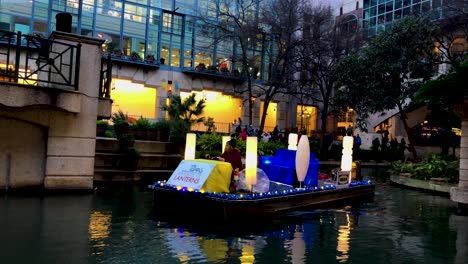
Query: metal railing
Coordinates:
[220,127]
[37,61]
[215,73]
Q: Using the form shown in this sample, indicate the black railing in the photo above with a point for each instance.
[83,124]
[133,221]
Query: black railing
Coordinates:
[37,61]
[215,73]
[132,60]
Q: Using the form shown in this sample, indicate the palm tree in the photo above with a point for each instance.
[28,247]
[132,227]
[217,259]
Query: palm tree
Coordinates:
[186,110]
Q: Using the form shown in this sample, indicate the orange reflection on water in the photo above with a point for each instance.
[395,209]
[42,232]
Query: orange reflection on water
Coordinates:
[343,240]
[99,227]
[247,256]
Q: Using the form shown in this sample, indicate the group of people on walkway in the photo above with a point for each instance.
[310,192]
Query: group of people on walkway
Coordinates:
[248,131]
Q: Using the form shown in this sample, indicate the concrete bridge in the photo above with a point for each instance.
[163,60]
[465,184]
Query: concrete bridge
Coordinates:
[50,97]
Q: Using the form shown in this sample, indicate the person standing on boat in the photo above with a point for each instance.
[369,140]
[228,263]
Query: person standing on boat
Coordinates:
[232,155]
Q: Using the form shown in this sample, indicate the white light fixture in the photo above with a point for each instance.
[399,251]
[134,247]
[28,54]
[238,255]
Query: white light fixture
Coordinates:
[190,146]
[302,159]
[251,161]
[292,141]
[347,156]
[225,140]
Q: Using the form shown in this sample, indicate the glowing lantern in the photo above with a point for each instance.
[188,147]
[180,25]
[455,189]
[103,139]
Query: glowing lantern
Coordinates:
[190,146]
[251,161]
[302,158]
[292,141]
[347,156]
[225,140]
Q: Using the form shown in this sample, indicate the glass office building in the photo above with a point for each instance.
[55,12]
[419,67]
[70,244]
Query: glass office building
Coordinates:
[167,29]
[175,32]
[377,14]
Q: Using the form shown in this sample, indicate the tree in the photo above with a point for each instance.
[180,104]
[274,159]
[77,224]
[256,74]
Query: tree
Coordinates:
[186,110]
[237,23]
[444,97]
[282,18]
[323,46]
[388,72]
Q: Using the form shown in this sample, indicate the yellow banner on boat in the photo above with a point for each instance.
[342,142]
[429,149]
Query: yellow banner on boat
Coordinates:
[219,178]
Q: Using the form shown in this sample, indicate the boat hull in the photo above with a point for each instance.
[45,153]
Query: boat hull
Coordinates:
[187,203]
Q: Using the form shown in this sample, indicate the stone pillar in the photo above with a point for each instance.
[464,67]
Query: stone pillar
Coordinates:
[460,194]
[72,136]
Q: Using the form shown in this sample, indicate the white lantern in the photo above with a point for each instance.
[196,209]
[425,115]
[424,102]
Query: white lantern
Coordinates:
[225,140]
[251,161]
[190,146]
[347,156]
[302,158]
[292,141]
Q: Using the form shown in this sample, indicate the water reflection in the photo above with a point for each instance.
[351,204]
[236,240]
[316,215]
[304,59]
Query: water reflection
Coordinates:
[343,240]
[398,226]
[99,228]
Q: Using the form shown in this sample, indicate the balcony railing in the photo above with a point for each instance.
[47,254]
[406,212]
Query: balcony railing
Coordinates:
[37,61]
[132,60]
[215,74]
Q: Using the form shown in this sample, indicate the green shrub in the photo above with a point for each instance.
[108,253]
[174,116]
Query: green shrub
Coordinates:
[435,166]
[119,117]
[162,124]
[103,123]
[269,148]
[210,142]
[142,123]
[108,134]
[179,130]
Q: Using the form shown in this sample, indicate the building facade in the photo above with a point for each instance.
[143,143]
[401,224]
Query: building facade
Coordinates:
[161,48]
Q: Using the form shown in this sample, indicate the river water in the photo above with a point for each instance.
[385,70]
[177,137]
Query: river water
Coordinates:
[118,226]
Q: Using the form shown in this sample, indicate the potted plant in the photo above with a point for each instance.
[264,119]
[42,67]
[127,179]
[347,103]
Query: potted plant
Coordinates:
[134,56]
[150,59]
[212,69]
[179,130]
[201,66]
[117,53]
[163,129]
[141,127]
[101,127]
[121,125]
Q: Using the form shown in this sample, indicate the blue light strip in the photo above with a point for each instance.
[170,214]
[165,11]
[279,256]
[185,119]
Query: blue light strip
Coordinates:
[254,196]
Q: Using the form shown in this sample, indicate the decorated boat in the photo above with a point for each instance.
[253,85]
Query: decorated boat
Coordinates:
[201,188]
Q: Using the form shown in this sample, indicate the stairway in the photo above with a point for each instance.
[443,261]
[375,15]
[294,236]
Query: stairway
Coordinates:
[157,161]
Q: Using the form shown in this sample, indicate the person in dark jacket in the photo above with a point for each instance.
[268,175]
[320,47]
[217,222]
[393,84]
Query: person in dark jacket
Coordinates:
[232,155]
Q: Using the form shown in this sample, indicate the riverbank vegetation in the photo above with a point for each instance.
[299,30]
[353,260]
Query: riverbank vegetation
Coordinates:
[434,166]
